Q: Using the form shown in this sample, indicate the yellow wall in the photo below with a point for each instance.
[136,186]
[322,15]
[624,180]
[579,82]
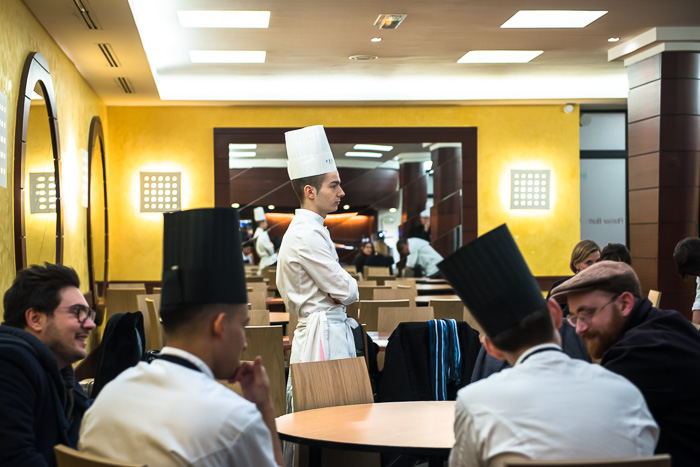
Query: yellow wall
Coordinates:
[21,33]
[180,139]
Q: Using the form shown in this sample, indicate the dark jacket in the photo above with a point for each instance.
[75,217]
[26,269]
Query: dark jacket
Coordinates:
[40,406]
[659,352]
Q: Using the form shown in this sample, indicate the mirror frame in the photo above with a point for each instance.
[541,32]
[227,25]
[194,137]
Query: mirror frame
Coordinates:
[96,135]
[35,70]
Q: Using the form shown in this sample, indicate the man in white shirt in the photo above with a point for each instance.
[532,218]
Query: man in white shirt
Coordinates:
[173,411]
[263,245]
[310,280]
[418,252]
[548,406]
[686,255]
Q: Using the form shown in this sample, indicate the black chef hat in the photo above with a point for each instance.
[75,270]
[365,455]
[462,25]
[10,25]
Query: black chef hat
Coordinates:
[492,279]
[202,259]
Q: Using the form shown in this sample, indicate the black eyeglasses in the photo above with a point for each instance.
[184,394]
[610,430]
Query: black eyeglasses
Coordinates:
[585,316]
[81,312]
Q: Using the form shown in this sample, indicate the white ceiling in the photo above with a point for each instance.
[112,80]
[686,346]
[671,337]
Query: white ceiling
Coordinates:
[309,41]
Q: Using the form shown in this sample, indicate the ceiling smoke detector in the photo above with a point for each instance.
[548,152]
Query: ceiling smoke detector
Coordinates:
[389,21]
[363,57]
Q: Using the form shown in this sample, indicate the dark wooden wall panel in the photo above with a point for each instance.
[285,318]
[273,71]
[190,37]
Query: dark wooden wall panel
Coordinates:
[680,133]
[644,101]
[644,206]
[680,96]
[645,71]
[644,136]
[644,171]
[446,214]
[681,65]
[447,167]
[679,168]
[678,204]
[643,240]
[414,189]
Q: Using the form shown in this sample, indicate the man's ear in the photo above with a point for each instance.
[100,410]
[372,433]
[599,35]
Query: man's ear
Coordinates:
[627,303]
[493,350]
[309,192]
[218,325]
[555,312]
[35,320]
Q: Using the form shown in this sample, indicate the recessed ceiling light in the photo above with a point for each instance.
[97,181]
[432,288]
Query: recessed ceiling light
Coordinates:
[552,19]
[392,209]
[227,56]
[613,39]
[239,154]
[499,56]
[362,154]
[363,57]
[239,147]
[235,205]
[346,206]
[224,19]
[372,147]
[271,207]
[389,21]
[376,39]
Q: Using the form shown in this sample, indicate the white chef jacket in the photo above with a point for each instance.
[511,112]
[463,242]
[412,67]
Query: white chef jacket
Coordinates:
[164,414]
[696,303]
[308,275]
[551,407]
[421,253]
[264,248]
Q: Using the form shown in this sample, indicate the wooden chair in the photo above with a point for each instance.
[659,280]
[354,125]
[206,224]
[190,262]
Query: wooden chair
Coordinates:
[448,309]
[395,294]
[376,271]
[381,279]
[661,460]
[390,317]
[366,283]
[402,284]
[254,278]
[351,268]
[332,383]
[266,341]
[259,318]
[257,287]
[257,300]
[655,297]
[157,290]
[69,457]
[127,285]
[369,311]
[122,300]
[151,322]
[353,310]
[367,291]
[270,275]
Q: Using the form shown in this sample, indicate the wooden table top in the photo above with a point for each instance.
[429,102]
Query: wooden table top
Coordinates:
[423,427]
[278,317]
[434,288]
[424,300]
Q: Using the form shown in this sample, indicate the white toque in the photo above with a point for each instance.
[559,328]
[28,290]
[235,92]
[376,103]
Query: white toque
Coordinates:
[259,214]
[308,152]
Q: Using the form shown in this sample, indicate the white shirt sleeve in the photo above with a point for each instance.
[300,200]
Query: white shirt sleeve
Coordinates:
[696,304]
[465,451]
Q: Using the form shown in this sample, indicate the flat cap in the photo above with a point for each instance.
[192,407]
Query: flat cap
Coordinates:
[609,276]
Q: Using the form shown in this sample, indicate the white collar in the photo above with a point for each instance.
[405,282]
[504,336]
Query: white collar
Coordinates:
[535,349]
[198,362]
[310,214]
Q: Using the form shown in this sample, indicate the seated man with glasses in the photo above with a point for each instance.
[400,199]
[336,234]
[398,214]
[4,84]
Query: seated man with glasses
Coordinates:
[548,406]
[46,325]
[657,350]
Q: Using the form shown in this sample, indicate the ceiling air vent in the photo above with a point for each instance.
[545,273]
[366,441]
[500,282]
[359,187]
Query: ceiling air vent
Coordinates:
[109,54]
[84,12]
[125,85]
[391,21]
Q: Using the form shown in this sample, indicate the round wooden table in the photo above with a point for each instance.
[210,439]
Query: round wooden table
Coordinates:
[423,428]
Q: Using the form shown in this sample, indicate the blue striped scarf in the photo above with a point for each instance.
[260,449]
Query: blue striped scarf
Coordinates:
[445,356]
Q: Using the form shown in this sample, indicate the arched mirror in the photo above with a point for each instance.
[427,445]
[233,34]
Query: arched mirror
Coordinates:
[97,221]
[37,169]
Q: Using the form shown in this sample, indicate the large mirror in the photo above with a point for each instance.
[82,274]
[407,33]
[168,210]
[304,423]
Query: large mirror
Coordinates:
[97,220]
[37,171]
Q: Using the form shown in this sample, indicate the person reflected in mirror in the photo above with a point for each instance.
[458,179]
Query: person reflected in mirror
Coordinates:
[420,256]
[263,246]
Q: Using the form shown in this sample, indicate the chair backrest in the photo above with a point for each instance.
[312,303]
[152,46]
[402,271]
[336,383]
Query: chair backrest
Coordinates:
[376,271]
[351,268]
[400,283]
[367,291]
[661,460]
[366,283]
[395,294]
[390,317]
[122,300]
[655,297]
[270,273]
[259,317]
[254,277]
[157,290]
[257,300]
[69,457]
[154,331]
[381,279]
[353,310]
[330,383]
[369,311]
[127,285]
[266,341]
[448,309]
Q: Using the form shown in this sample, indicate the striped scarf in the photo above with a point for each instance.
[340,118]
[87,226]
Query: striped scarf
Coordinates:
[445,356]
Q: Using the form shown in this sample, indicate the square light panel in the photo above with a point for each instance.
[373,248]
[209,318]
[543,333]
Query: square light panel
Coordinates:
[42,192]
[363,154]
[160,191]
[499,56]
[552,19]
[372,147]
[529,189]
[227,56]
[224,19]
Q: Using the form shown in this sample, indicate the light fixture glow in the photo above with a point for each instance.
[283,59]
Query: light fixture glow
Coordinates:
[224,19]
[363,154]
[346,206]
[241,147]
[427,166]
[235,205]
[499,56]
[372,147]
[227,56]
[392,210]
[239,154]
[271,207]
[376,39]
[552,19]
[613,39]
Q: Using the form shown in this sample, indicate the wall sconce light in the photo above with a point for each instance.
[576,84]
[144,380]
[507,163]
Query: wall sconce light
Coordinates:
[529,189]
[42,192]
[160,191]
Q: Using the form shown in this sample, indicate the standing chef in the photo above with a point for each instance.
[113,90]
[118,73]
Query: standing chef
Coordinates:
[263,245]
[309,278]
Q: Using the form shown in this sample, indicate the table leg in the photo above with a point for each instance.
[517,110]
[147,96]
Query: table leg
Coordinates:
[314,456]
[436,461]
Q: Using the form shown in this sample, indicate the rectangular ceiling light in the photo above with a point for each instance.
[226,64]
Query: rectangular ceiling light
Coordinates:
[224,19]
[499,56]
[242,146]
[239,154]
[372,147]
[227,56]
[552,19]
[363,154]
